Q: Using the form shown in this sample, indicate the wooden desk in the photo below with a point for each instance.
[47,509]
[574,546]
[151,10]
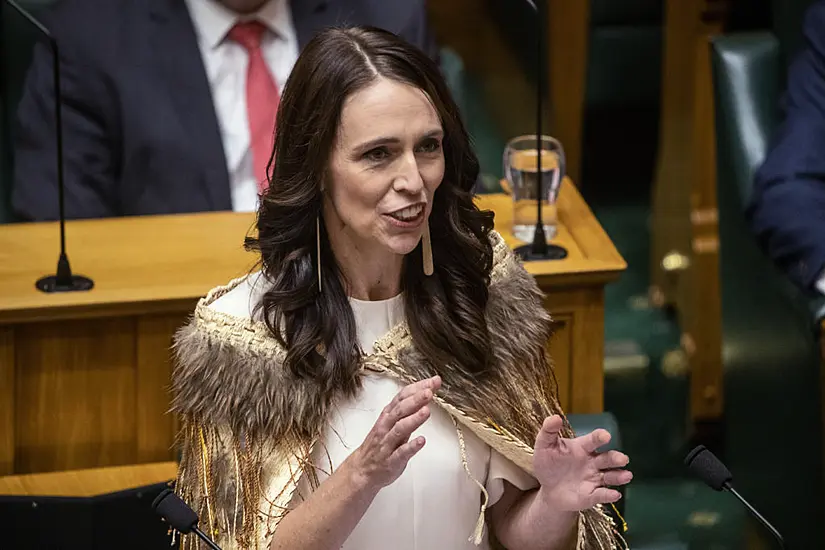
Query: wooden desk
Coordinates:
[84,376]
[574,289]
[88,483]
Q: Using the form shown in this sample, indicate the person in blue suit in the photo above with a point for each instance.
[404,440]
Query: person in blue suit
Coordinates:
[155,100]
[787,209]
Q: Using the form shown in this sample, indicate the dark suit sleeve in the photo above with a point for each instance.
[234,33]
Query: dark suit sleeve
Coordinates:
[89,117]
[418,31]
[787,211]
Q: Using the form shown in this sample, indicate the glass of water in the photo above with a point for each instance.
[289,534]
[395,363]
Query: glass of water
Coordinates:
[521,168]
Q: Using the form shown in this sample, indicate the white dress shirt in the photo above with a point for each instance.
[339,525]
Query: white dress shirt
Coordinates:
[226,63]
[820,284]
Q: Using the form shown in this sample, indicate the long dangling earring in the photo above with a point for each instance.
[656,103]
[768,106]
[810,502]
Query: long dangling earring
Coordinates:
[427,249]
[318,248]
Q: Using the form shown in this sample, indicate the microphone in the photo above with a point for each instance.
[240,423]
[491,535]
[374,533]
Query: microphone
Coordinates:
[180,516]
[539,249]
[63,280]
[716,475]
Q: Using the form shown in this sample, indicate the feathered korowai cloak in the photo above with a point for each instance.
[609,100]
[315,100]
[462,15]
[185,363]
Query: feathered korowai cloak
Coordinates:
[249,425]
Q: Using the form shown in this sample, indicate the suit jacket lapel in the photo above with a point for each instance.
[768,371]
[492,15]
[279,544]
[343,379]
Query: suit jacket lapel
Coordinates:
[182,71]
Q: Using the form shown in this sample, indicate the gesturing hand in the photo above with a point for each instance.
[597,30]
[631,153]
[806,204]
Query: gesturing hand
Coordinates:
[573,476]
[384,454]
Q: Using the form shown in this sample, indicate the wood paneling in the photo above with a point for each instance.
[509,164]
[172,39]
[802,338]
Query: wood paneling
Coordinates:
[156,426]
[75,400]
[577,349]
[568,34]
[7,400]
[560,350]
[683,133]
[684,228]
[700,303]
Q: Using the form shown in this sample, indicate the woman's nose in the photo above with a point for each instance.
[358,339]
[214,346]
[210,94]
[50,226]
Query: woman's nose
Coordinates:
[408,179]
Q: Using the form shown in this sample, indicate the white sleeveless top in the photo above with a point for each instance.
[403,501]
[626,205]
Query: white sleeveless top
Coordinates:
[434,503]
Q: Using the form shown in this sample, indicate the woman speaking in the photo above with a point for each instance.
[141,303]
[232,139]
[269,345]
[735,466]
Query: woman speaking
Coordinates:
[381,381]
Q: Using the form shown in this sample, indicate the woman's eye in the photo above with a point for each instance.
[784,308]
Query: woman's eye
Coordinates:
[430,146]
[376,155]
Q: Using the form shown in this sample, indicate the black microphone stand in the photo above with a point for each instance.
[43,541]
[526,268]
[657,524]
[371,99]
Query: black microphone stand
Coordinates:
[539,249]
[63,280]
[771,529]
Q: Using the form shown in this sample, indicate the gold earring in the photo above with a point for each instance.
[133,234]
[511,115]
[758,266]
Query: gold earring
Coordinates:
[318,248]
[427,249]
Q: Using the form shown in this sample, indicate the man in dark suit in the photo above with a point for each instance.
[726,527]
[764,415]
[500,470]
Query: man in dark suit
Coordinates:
[787,211]
[168,105]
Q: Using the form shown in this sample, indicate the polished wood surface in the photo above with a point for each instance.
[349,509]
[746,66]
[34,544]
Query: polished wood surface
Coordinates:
[568,34]
[684,232]
[84,376]
[137,264]
[592,256]
[7,391]
[88,482]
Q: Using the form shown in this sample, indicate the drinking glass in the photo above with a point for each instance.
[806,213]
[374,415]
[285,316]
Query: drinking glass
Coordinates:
[521,168]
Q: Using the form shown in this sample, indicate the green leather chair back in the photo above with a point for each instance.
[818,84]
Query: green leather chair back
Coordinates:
[747,77]
[17,40]
[772,362]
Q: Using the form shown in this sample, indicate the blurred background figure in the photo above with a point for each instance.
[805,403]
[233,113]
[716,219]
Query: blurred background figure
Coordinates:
[788,207]
[169,106]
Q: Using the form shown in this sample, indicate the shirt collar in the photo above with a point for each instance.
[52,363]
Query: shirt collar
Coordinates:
[213,20]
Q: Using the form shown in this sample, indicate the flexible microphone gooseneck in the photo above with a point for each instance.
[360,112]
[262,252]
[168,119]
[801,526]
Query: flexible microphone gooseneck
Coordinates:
[539,249]
[180,516]
[63,280]
[716,475]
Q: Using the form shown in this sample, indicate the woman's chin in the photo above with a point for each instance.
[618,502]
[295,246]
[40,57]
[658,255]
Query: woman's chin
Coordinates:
[403,244]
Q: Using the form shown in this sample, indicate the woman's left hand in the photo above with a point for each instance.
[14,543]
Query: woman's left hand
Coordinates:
[573,476]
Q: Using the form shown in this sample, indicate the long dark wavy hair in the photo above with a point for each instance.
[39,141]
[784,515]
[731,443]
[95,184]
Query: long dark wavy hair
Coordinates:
[446,311]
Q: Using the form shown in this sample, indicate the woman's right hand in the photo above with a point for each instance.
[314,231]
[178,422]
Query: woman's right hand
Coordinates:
[384,454]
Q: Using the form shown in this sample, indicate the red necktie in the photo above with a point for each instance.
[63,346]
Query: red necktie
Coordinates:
[261,97]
